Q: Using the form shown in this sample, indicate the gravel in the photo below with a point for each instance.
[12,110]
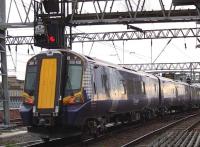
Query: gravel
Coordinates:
[13,140]
[119,139]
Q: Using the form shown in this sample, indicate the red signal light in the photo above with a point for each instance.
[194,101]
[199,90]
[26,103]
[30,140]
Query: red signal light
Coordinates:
[52,39]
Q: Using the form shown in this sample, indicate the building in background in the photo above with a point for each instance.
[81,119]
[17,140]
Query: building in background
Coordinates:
[15,88]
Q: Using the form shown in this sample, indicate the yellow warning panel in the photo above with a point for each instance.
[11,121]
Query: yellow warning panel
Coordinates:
[47,84]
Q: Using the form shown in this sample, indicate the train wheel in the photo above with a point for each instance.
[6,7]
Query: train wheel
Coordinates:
[94,128]
[85,132]
[102,126]
[91,129]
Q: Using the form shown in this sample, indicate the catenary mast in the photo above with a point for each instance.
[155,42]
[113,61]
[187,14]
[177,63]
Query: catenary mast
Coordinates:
[4,74]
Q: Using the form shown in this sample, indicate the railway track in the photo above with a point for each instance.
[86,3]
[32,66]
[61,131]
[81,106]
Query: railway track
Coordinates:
[93,141]
[76,141]
[53,142]
[29,143]
[178,133]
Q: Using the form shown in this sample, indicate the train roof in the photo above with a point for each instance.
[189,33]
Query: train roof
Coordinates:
[99,62]
[182,83]
[196,85]
[108,64]
[165,79]
[111,65]
[171,80]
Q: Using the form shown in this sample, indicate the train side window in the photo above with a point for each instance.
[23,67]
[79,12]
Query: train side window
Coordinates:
[176,89]
[123,86]
[131,87]
[95,90]
[104,80]
[143,88]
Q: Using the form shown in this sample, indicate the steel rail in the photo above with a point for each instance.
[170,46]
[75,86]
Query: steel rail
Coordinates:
[162,129]
[52,142]
[28,143]
[192,126]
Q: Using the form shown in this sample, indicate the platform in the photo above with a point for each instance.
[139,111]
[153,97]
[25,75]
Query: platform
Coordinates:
[10,132]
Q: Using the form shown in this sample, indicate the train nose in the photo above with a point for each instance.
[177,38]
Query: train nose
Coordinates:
[47,99]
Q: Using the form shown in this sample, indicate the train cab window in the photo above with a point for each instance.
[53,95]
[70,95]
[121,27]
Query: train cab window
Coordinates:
[73,91]
[30,79]
[74,76]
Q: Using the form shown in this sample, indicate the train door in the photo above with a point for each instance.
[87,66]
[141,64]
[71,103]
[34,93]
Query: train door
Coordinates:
[101,87]
[48,90]
[160,93]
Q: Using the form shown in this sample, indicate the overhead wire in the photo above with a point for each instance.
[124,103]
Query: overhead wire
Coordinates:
[137,55]
[116,52]
[182,52]
[163,50]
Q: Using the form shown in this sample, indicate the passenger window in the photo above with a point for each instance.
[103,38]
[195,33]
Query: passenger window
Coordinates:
[131,87]
[95,90]
[123,86]
[104,80]
[143,88]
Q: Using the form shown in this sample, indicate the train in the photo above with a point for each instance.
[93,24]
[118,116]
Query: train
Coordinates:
[65,92]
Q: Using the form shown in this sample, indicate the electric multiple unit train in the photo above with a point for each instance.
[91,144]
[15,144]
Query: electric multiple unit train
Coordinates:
[66,91]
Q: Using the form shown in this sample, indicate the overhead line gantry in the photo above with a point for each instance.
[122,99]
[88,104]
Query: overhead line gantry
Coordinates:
[115,36]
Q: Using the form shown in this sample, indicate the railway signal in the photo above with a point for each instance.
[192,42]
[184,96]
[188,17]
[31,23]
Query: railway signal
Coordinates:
[49,35]
[51,5]
[49,25]
[55,35]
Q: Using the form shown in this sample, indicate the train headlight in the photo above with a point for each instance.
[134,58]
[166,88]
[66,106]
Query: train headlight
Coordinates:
[34,109]
[56,109]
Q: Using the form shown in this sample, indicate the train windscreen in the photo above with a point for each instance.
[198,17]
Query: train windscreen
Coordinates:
[73,87]
[30,79]
[74,76]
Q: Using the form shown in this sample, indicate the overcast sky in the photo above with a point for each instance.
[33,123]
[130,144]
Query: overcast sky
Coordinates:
[137,51]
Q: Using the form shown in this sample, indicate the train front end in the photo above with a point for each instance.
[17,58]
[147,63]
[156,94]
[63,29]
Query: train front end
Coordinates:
[52,85]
